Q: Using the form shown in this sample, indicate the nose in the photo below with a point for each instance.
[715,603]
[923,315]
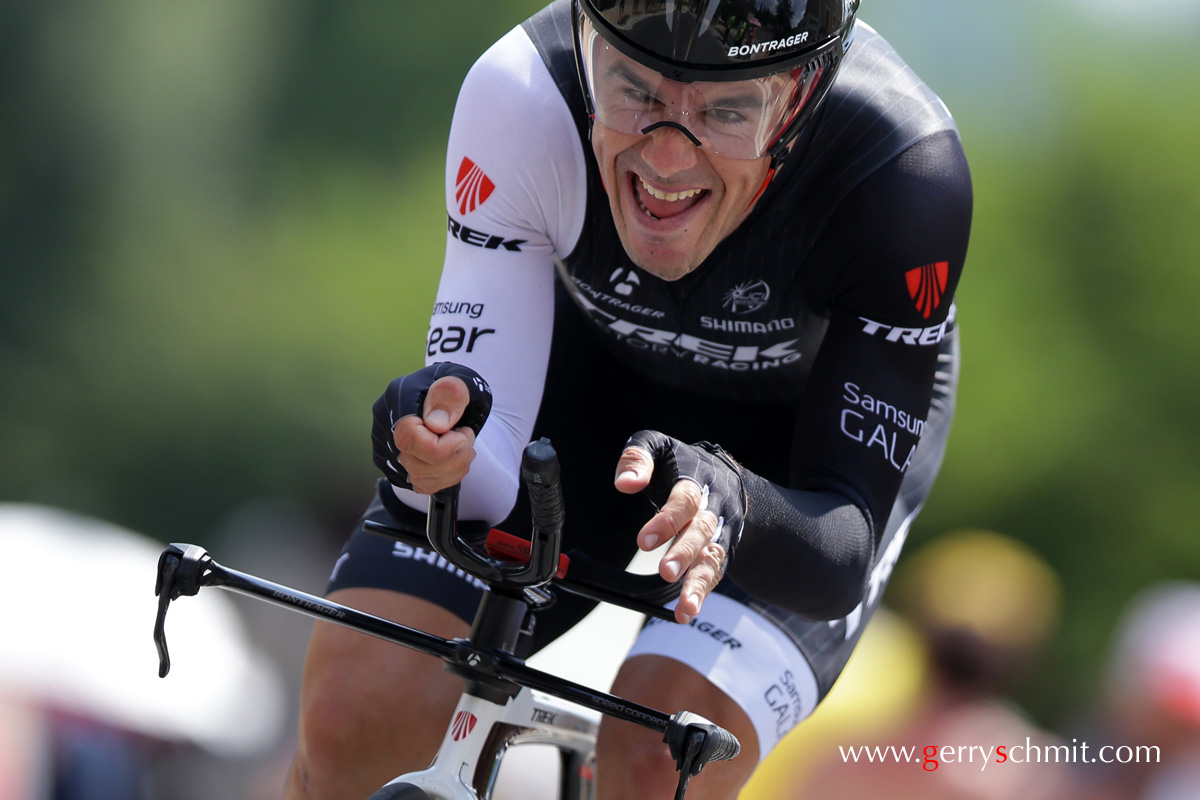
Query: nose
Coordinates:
[669,150]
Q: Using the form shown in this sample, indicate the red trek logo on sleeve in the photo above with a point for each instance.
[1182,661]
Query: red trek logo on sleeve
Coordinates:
[926,285]
[471,188]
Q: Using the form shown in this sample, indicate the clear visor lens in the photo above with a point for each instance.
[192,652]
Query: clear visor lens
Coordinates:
[736,119]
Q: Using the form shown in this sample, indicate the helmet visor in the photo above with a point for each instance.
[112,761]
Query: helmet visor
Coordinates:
[735,119]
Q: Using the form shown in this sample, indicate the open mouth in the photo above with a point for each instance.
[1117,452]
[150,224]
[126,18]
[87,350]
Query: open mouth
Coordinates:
[658,203]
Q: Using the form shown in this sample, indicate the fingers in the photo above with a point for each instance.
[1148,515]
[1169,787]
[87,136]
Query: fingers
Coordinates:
[435,454]
[633,471]
[445,403]
[701,578]
[675,515]
[692,554]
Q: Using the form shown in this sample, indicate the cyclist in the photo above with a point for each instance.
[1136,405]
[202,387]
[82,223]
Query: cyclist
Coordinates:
[669,223]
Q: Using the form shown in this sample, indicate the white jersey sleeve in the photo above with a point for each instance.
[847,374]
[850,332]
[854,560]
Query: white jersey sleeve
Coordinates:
[515,194]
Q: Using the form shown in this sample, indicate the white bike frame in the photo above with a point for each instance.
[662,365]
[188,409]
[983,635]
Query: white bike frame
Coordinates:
[481,731]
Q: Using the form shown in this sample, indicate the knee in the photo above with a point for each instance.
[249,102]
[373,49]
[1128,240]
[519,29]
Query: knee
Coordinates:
[369,711]
[348,715]
[645,768]
[634,762]
[642,760]
[331,722]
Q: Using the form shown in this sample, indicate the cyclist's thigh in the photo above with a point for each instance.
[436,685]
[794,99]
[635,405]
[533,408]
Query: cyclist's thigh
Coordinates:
[414,586]
[371,709]
[748,657]
[352,679]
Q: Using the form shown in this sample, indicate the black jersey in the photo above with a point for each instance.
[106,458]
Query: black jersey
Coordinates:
[749,322]
[835,295]
[816,342]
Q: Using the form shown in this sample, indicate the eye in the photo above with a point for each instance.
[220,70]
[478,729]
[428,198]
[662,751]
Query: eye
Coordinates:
[638,97]
[724,116]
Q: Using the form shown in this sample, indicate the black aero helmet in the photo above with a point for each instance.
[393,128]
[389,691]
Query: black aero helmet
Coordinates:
[690,41]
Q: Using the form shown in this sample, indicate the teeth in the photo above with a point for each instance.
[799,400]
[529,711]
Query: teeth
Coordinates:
[670,197]
[642,206]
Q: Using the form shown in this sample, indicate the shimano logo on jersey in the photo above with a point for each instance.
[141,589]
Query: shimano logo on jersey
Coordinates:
[745,326]
[768,47]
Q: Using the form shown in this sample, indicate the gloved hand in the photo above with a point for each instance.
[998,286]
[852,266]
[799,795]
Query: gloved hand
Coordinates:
[697,489]
[439,440]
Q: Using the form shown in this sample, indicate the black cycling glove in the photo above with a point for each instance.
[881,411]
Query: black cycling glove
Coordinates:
[405,396]
[717,474]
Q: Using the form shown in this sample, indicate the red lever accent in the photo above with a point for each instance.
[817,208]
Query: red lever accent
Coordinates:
[513,548]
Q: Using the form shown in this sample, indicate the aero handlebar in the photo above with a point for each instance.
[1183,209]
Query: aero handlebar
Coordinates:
[510,565]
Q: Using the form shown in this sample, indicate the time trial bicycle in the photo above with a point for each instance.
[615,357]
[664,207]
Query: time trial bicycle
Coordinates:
[504,702]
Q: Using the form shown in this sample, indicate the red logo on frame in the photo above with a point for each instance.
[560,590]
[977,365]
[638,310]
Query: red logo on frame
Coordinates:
[464,723]
[926,285]
[472,188]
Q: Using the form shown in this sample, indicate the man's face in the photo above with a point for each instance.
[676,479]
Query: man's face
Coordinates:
[672,201]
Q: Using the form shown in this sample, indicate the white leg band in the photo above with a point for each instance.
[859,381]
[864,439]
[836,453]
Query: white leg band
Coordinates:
[746,657]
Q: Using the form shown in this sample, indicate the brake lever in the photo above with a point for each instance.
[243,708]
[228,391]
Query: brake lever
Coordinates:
[182,569]
[695,741]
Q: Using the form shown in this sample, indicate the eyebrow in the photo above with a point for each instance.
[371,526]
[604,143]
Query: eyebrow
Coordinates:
[744,100]
[737,101]
[623,71]
[740,101]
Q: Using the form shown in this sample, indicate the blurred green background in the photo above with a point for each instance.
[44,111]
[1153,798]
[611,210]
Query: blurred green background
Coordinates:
[221,230]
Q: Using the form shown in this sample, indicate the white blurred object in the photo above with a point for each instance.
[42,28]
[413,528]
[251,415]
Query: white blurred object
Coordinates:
[1156,658]
[589,653]
[79,609]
